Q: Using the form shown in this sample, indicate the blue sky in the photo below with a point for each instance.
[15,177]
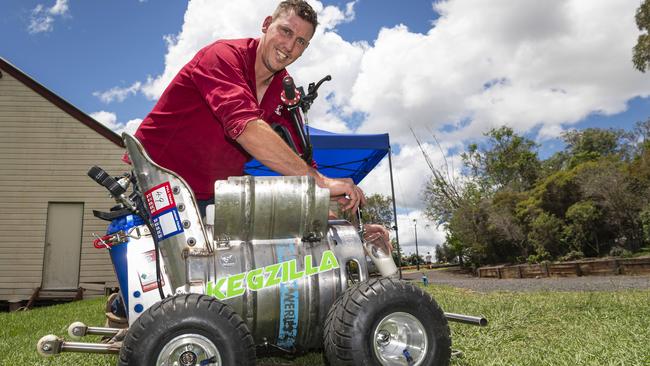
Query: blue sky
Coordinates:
[455,68]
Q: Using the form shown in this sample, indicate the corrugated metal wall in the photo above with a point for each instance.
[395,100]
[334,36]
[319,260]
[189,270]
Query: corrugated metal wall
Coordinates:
[44,156]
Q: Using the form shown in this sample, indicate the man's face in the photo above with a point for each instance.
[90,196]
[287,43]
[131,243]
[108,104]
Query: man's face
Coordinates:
[285,39]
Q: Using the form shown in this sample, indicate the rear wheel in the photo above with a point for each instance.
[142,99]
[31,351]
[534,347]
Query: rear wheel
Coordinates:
[188,330]
[386,322]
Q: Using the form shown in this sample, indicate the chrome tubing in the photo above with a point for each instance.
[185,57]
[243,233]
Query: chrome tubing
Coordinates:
[102,348]
[467,319]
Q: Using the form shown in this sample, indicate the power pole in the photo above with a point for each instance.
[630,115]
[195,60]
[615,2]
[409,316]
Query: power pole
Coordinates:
[417,254]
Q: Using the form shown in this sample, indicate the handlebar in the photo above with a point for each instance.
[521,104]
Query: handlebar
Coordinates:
[100,176]
[296,98]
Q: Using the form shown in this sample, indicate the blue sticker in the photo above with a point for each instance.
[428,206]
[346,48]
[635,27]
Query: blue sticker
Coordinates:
[289,301]
[167,224]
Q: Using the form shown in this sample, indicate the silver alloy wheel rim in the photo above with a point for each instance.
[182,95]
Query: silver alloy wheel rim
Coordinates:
[397,332]
[186,345]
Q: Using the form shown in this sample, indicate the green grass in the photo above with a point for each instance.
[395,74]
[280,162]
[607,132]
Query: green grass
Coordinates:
[543,328]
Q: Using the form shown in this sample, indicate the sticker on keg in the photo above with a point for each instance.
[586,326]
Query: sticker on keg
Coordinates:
[167,224]
[289,299]
[147,271]
[160,198]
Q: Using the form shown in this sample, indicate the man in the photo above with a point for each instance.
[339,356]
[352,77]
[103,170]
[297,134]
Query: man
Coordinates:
[215,114]
[217,111]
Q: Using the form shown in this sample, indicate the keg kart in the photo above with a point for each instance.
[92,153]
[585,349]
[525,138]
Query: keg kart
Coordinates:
[264,270]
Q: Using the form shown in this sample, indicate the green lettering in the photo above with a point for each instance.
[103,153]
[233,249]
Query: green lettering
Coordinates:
[235,285]
[272,270]
[328,261]
[215,289]
[293,274]
[309,266]
[255,279]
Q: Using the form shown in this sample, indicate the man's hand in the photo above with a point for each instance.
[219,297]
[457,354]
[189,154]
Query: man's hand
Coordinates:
[379,235]
[348,194]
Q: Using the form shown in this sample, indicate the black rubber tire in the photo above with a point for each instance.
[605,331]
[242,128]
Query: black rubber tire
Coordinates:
[350,324]
[327,338]
[182,314]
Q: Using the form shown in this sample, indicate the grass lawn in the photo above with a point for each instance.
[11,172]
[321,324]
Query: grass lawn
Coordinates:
[543,328]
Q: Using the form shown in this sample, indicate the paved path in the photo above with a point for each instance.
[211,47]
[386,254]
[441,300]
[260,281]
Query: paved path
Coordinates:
[585,283]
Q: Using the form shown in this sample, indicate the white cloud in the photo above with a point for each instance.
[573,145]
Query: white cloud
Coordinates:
[131,126]
[59,8]
[117,93]
[42,18]
[109,119]
[331,16]
[523,63]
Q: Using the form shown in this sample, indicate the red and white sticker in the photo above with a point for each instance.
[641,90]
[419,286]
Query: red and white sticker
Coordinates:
[160,198]
[147,272]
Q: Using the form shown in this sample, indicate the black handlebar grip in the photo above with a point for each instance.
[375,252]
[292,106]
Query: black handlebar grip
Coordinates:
[100,176]
[97,174]
[289,88]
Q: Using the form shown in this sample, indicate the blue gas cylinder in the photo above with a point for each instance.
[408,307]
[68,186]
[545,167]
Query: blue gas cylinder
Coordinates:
[119,252]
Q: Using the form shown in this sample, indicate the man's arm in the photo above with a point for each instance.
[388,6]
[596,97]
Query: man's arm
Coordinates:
[259,140]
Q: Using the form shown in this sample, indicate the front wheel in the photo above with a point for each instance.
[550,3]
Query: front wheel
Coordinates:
[386,322]
[188,329]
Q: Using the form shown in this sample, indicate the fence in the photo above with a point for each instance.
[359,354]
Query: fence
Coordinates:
[597,267]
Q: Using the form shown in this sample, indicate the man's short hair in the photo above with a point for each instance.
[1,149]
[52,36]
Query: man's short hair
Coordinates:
[300,8]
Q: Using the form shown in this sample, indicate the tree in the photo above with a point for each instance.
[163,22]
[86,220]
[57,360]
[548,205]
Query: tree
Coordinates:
[641,52]
[507,226]
[619,198]
[585,223]
[592,144]
[509,161]
[378,210]
[546,236]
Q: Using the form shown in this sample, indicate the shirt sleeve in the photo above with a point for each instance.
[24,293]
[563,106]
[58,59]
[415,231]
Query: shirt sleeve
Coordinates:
[220,77]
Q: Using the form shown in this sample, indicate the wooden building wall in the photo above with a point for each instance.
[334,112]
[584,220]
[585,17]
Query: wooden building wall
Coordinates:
[45,153]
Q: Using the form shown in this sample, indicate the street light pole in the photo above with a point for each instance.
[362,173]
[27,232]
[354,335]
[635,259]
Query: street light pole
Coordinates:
[417,254]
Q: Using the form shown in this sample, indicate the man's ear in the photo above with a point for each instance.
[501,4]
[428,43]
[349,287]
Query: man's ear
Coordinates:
[267,22]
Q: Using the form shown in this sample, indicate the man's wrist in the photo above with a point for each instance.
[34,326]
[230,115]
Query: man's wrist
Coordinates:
[318,177]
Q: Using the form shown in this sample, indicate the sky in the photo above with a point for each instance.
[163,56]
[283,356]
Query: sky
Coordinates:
[449,69]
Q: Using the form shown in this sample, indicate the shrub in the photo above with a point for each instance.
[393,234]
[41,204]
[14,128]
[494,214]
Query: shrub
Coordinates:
[620,252]
[572,256]
[543,256]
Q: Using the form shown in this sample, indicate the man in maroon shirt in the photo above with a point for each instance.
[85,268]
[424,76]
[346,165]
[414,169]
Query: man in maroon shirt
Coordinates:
[217,111]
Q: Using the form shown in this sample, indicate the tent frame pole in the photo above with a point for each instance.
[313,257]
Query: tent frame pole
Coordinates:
[392,190]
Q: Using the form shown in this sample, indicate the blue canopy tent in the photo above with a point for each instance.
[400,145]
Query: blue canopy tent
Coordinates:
[344,156]
[339,155]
